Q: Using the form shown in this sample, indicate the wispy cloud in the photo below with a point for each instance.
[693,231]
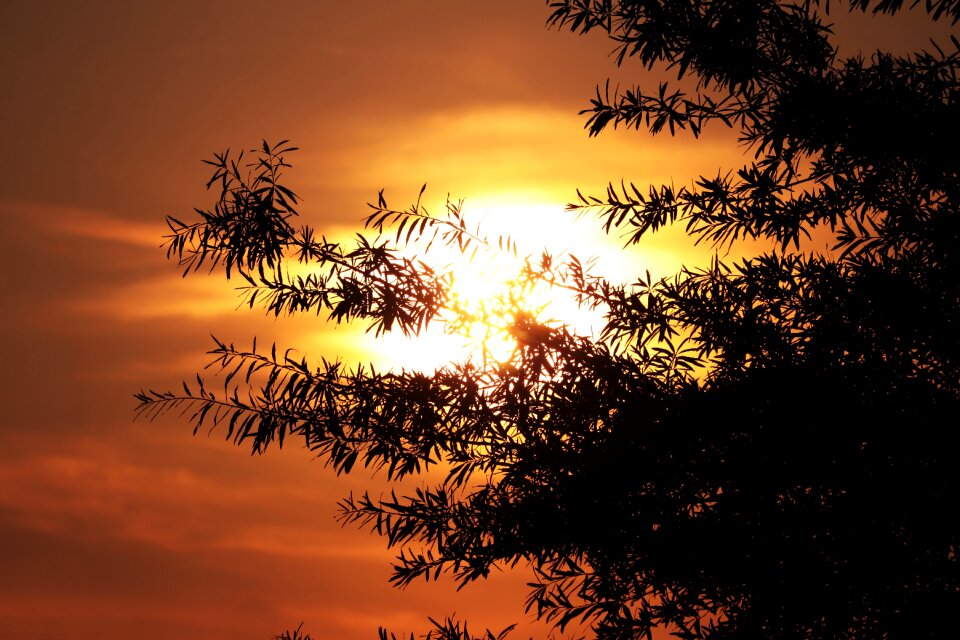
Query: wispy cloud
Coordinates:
[175,507]
[86,223]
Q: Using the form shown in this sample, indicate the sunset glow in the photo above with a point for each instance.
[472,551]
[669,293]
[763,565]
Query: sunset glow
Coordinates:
[112,529]
[487,290]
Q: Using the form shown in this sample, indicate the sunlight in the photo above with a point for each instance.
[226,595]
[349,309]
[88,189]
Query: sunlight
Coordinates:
[488,291]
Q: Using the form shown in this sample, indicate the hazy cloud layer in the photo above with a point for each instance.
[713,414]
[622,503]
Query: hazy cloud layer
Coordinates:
[114,529]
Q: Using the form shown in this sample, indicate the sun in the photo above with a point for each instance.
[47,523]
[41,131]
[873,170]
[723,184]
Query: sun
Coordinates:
[488,291]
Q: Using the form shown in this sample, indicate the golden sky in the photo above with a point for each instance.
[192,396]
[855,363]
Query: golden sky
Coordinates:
[114,529]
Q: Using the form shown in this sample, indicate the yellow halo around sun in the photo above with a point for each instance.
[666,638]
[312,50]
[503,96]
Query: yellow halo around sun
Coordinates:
[487,290]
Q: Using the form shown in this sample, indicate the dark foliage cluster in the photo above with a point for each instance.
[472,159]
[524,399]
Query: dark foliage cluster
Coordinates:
[758,449]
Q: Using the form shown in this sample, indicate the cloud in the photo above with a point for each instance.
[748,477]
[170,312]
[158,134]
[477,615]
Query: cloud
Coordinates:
[80,222]
[484,150]
[133,494]
[54,253]
[163,535]
[165,296]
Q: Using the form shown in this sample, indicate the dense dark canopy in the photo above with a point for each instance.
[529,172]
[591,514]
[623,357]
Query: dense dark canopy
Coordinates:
[765,448]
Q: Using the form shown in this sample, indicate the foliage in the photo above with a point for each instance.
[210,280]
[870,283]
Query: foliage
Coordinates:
[759,449]
[296,634]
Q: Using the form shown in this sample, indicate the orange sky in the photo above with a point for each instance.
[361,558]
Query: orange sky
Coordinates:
[114,529]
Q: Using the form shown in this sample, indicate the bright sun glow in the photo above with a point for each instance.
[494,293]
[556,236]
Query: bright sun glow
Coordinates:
[486,284]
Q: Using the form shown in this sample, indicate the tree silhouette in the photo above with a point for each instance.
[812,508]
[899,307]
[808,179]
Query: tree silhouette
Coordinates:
[763,448]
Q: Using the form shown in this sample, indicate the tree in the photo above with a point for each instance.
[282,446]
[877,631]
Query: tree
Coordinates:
[763,448]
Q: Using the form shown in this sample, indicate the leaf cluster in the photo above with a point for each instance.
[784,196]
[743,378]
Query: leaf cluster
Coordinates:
[741,435]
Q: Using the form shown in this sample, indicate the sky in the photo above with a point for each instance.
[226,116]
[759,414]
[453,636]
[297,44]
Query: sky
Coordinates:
[111,528]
